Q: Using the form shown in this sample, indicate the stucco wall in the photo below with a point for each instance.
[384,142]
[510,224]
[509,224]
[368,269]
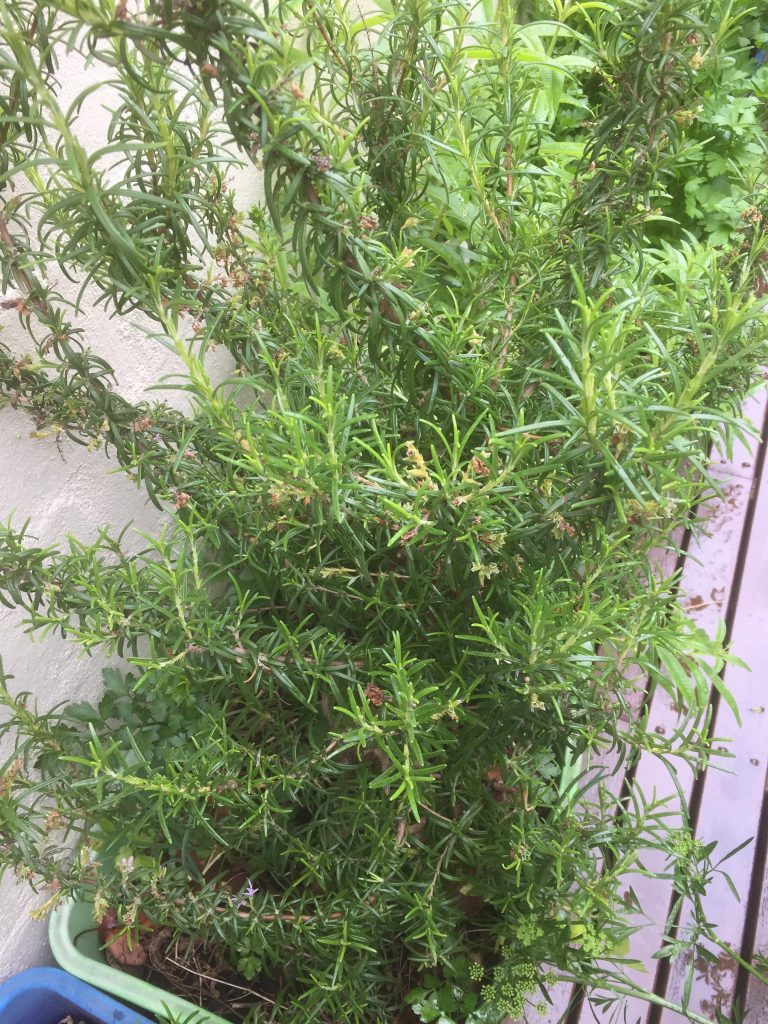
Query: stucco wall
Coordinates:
[65,490]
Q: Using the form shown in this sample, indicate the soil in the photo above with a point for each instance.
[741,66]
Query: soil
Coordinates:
[190,968]
[198,973]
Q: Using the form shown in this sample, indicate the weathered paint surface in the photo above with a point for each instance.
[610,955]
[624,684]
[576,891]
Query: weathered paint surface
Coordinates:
[65,489]
[726,571]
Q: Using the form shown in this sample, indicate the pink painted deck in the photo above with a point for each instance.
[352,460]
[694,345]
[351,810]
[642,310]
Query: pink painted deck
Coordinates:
[724,578]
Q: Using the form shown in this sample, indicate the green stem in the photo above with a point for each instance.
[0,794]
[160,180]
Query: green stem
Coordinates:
[762,978]
[630,989]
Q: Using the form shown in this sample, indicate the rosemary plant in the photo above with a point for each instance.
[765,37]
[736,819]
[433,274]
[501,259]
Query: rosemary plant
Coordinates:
[476,367]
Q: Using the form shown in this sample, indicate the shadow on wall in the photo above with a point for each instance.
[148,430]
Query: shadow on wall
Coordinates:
[63,488]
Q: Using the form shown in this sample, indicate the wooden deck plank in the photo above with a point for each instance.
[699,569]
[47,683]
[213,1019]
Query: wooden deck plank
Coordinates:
[662,564]
[756,999]
[718,553]
[732,798]
[742,458]
[707,579]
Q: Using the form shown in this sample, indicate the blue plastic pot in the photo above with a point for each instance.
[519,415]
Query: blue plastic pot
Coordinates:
[76,946]
[46,995]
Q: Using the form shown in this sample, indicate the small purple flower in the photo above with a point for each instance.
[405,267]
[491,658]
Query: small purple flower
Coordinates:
[126,865]
[246,893]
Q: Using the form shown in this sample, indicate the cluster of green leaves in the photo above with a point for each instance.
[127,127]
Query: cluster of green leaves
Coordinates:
[385,630]
[719,183]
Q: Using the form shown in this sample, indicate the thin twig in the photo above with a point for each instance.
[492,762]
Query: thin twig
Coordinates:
[219,981]
[23,280]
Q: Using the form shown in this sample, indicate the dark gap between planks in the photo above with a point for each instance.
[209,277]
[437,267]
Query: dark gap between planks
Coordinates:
[694,807]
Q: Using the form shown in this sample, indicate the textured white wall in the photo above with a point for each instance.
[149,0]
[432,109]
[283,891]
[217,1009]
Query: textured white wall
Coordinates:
[67,491]
[71,491]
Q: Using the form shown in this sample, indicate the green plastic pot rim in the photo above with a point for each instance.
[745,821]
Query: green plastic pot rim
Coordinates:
[65,924]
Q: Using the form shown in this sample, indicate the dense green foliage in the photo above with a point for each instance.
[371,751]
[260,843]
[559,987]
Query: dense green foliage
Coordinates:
[483,331]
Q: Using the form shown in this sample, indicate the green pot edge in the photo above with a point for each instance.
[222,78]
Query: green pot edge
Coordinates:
[130,990]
